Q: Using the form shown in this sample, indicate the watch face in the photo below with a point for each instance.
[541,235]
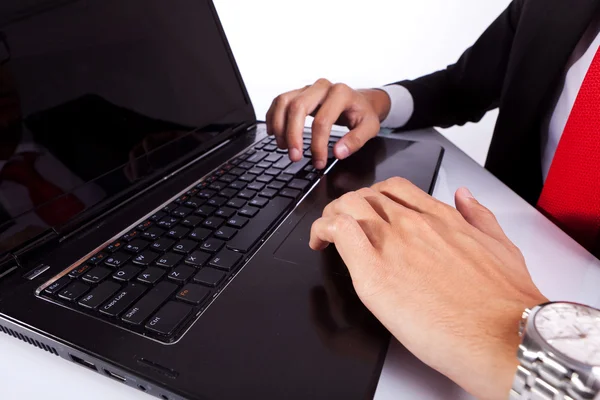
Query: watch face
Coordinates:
[572,329]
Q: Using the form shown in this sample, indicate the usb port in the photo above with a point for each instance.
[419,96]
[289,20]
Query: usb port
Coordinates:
[116,377]
[83,362]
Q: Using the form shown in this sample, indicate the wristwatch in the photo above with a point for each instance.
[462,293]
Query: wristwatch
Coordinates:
[559,354]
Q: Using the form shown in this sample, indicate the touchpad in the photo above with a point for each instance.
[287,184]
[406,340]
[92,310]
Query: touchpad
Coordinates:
[378,160]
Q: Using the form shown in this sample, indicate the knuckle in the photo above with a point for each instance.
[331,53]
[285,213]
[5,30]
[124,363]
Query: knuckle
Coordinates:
[344,222]
[340,88]
[321,124]
[364,192]
[323,81]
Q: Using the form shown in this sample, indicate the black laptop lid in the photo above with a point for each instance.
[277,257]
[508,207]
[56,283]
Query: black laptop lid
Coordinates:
[96,96]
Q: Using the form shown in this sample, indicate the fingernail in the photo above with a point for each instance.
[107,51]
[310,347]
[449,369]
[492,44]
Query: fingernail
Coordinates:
[319,164]
[466,193]
[295,154]
[342,151]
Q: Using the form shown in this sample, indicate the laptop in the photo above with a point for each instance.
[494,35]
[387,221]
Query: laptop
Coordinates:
[151,231]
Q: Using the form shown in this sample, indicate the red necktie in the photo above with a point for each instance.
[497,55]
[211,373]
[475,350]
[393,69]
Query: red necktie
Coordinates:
[571,194]
[21,170]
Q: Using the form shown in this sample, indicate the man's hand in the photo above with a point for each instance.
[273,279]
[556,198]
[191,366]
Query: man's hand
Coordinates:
[447,283]
[361,111]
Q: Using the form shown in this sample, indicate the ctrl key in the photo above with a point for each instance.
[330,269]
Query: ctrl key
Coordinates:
[168,318]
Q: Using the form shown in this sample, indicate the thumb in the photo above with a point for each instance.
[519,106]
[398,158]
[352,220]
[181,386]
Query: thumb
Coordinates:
[478,216]
[356,138]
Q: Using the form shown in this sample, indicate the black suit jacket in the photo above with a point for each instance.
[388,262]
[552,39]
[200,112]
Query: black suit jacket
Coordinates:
[517,65]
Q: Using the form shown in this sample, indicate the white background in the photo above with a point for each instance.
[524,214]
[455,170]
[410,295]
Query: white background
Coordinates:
[281,45]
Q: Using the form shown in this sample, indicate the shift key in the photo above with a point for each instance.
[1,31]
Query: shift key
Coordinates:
[149,303]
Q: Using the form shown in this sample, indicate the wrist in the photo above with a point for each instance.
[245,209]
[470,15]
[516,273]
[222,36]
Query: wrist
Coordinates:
[379,100]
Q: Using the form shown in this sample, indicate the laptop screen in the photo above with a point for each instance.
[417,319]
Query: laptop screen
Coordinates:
[96,95]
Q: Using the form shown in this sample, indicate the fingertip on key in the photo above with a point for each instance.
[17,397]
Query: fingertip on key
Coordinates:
[319,164]
[342,151]
[295,154]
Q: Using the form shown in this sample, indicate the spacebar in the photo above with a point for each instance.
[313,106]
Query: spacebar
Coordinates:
[256,228]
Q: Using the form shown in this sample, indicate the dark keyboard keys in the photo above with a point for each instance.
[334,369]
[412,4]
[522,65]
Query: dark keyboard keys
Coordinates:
[199,234]
[158,216]
[256,171]
[62,282]
[263,179]
[264,165]
[123,299]
[131,235]
[299,184]
[185,246]
[145,258]
[273,157]
[197,259]
[178,232]
[96,275]
[151,275]
[247,194]
[181,212]
[258,226]
[114,246]
[162,244]
[99,295]
[168,260]
[82,269]
[194,202]
[117,259]
[237,221]
[291,193]
[97,258]
[311,176]
[258,202]
[225,233]
[257,157]
[238,185]
[236,203]
[228,178]
[268,193]
[209,277]
[225,212]
[218,185]
[206,193]
[144,225]
[181,274]
[228,193]
[126,273]
[273,171]
[213,222]
[256,186]
[284,162]
[237,171]
[135,246]
[149,303]
[212,245]
[297,166]
[191,221]
[247,177]
[276,185]
[194,294]
[167,222]
[153,233]
[74,291]
[205,210]
[168,318]
[246,165]
[225,259]
[248,211]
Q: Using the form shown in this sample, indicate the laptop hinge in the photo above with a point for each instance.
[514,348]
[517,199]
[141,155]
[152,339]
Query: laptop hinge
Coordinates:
[10,262]
[243,127]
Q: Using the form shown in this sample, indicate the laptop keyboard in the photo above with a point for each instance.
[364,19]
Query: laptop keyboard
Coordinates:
[156,278]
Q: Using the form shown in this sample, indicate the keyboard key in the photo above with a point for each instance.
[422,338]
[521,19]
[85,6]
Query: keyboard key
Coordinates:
[270,147]
[96,275]
[213,222]
[194,202]
[117,259]
[168,318]
[236,203]
[170,207]
[273,157]
[228,193]
[217,201]
[205,210]
[225,212]
[145,258]
[168,260]
[225,259]
[225,233]
[248,211]
[158,216]
[256,186]
[237,171]
[264,165]
[276,185]
[263,179]
[258,202]
[185,246]
[197,258]
[151,275]
[181,212]
[153,233]
[144,225]
[162,244]
[311,176]
[212,245]
[199,234]
[246,165]
[228,178]
[167,222]
[135,246]
[131,235]
[114,246]
[299,184]
[273,171]
[247,194]
[99,295]
[238,185]
[127,273]
[291,193]
[237,221]
[123,299]
[256,171]
[268,193]
[182,199]
[285,178]
[181,274]
[149,303]
[209,277]
[309,168]
[218,185]
[74,291]
[62,282]
[178,232]
[97,258]
[206,193]
[194,294]
[82,269]
[257,157]
[283,163]
[247,177]
[191,221]
[257,227]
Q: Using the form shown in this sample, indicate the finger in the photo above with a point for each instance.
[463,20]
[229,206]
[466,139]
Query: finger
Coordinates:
[356,138]
[299,108]
[478,216]
[410,196]
[276,116]
[336,102]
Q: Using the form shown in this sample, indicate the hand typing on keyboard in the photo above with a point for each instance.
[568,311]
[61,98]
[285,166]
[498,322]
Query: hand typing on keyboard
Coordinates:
[359,110]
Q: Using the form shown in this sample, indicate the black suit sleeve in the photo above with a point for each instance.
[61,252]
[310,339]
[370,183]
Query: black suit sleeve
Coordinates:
[465,91]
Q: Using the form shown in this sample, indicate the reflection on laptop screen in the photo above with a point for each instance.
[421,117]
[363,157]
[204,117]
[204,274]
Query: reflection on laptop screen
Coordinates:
[90,87]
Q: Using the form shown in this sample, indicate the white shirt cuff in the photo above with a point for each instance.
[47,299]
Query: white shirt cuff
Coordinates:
[402,106]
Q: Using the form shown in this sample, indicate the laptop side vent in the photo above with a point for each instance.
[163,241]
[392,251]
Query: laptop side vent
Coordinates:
[26,339]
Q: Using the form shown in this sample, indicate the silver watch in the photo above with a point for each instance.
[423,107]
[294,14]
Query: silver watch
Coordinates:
[559,354]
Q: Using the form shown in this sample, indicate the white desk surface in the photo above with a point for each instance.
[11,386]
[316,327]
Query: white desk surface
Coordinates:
[559,266]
